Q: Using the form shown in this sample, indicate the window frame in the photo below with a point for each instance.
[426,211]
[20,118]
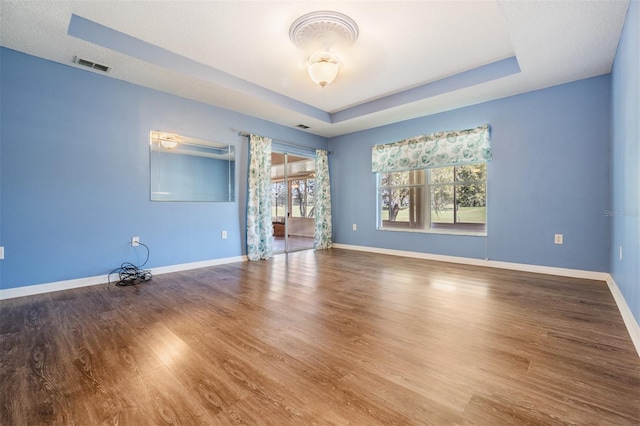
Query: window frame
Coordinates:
[424,209]
[419,215]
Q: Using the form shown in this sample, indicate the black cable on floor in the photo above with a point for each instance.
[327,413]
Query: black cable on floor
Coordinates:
[131,274]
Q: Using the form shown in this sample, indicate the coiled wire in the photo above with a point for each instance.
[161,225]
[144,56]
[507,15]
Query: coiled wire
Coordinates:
[130,274]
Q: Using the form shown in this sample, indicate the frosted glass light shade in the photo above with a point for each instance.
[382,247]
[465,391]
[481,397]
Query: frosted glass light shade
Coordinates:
[169,143]
[323,69]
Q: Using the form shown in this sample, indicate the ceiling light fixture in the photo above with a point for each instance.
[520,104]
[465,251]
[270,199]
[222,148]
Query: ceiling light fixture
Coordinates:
[169,142]
[323,68]
[319,33]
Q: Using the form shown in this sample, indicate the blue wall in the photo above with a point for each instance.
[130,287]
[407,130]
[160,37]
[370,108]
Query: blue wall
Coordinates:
[549,175]
[625,162]
[75,174]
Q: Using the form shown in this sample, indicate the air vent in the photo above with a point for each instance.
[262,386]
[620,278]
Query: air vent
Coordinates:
[302,126]
[91,64]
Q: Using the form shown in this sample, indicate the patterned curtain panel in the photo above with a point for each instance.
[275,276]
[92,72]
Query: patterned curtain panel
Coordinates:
[322,203]
[259,226]
[440,149]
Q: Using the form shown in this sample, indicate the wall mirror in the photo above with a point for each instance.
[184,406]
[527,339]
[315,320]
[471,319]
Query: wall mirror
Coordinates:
[189,169]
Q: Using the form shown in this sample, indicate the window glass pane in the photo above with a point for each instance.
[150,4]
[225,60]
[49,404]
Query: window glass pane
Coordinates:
[396,199]
[414,177]
[442,175]
[299,198]
[393,179]
[384,204]
[442,204]
[311,191]
[401,207]
[471,172]
[277,200]
[472,203]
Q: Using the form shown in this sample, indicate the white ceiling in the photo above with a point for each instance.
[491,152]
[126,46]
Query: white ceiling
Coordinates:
[237,54]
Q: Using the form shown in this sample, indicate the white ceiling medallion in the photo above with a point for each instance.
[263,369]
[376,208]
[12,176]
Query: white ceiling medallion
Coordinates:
[317,33]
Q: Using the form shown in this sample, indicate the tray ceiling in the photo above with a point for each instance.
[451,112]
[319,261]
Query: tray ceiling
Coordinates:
[411,58]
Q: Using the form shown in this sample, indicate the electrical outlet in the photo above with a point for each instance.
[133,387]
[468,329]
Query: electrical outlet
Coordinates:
[355,227]
[2,253]
[558,239]
[135,241]
[224,235]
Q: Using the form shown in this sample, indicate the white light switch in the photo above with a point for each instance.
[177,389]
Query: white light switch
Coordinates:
[558,239]
[224,235]
[355,227]
[2,253]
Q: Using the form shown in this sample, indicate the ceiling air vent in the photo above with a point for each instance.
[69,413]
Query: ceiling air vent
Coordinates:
[91,64]
[302,126]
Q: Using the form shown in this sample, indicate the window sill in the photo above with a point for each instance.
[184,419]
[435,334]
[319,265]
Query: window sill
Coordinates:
[437,231]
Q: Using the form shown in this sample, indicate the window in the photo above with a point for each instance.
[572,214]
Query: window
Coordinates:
[278,200]
[438,199]
[402,199]
[302,191]
[301,197]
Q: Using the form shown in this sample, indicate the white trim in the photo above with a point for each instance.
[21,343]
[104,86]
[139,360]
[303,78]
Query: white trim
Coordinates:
[195,265]
[627,316]
[549,270]
[445,231]
[30,290]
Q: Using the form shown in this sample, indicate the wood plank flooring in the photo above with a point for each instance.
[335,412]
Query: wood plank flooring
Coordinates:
[333,337]
[294,243]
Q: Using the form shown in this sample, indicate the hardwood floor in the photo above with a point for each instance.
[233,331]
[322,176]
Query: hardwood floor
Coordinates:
[331,337]
[294,243]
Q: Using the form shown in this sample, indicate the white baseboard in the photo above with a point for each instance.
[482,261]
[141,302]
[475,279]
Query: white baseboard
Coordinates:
[627,316]
[30,290]
[195,265]
[549,270]
[629,320]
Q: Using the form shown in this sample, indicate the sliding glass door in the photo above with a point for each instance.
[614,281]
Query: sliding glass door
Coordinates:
[292,192]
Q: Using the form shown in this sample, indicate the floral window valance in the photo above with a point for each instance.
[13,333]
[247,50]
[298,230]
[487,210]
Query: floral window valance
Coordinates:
[440,149]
